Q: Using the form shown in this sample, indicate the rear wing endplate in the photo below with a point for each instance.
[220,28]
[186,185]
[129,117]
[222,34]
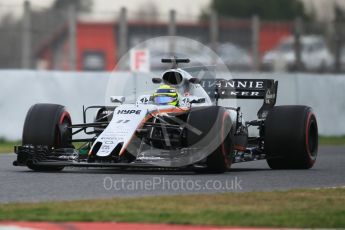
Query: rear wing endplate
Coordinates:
[243,89]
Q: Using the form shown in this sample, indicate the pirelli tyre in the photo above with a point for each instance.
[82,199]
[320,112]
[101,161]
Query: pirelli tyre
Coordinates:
[215,135]
[291,137]
[47,125]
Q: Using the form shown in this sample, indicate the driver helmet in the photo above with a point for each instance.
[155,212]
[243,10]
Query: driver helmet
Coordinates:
[166,95]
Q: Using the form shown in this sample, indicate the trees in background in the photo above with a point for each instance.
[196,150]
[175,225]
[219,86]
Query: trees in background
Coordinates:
[339,13]
[43,23]
[81,5]
[265,9]
[339,36]
[147,12]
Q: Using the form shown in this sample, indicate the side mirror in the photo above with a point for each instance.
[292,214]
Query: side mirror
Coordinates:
[198,100]
[193,100]
[117,99]
[156,80]
[195,80]
[144,99]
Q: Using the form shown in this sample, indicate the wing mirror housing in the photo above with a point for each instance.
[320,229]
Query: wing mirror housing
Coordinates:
[117,99]
[196,100]
[194,80]
[156,80]
[144,99]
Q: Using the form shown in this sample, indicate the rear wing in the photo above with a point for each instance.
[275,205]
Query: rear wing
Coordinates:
[265,89]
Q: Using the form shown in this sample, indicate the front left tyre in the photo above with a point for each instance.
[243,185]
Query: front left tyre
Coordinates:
[215,137]
[47,125]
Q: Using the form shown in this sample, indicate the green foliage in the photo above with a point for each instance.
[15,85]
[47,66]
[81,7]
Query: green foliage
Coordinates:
[266,9]
[7,146]
[81,5]
[332,140]
[339,13]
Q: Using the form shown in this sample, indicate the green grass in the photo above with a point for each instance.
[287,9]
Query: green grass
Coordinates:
[322,208]
[332,140]
[7,146]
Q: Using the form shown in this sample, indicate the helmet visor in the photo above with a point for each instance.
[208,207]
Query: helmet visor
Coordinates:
[162,100]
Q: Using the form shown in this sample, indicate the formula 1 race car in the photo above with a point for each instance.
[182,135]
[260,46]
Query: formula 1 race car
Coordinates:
[193,133]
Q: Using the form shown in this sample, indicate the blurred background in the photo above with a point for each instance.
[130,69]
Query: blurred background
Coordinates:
[79,52]
[248,35]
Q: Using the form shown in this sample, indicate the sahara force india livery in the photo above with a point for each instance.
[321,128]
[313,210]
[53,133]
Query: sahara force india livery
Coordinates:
[196,134]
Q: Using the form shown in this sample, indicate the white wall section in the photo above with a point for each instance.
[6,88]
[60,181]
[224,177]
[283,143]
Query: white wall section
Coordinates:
[21,89]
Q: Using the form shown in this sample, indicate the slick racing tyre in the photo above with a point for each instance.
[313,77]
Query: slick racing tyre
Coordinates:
[47,125]
[216,136]
[291,137]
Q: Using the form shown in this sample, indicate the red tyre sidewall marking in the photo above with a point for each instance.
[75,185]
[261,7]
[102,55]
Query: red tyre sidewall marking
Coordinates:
[311,160]
[64,115]
[226,160]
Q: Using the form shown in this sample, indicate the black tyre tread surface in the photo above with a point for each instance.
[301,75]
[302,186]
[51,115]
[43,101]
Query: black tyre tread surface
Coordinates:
[285,137]
[209,121]
[41,127]
[41,123]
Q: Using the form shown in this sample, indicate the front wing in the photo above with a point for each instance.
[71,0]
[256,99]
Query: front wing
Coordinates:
[68,157]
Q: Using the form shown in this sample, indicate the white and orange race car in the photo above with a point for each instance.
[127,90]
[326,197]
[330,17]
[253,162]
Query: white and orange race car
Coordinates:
[196,134]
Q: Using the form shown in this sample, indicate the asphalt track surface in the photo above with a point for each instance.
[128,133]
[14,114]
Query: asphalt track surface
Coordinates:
[19,184]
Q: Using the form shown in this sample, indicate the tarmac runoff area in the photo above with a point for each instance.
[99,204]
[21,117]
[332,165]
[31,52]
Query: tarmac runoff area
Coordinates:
[19,184]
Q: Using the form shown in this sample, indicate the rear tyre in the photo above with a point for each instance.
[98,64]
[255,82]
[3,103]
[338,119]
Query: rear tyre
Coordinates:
[217,137]
[47,125]
[291,137]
